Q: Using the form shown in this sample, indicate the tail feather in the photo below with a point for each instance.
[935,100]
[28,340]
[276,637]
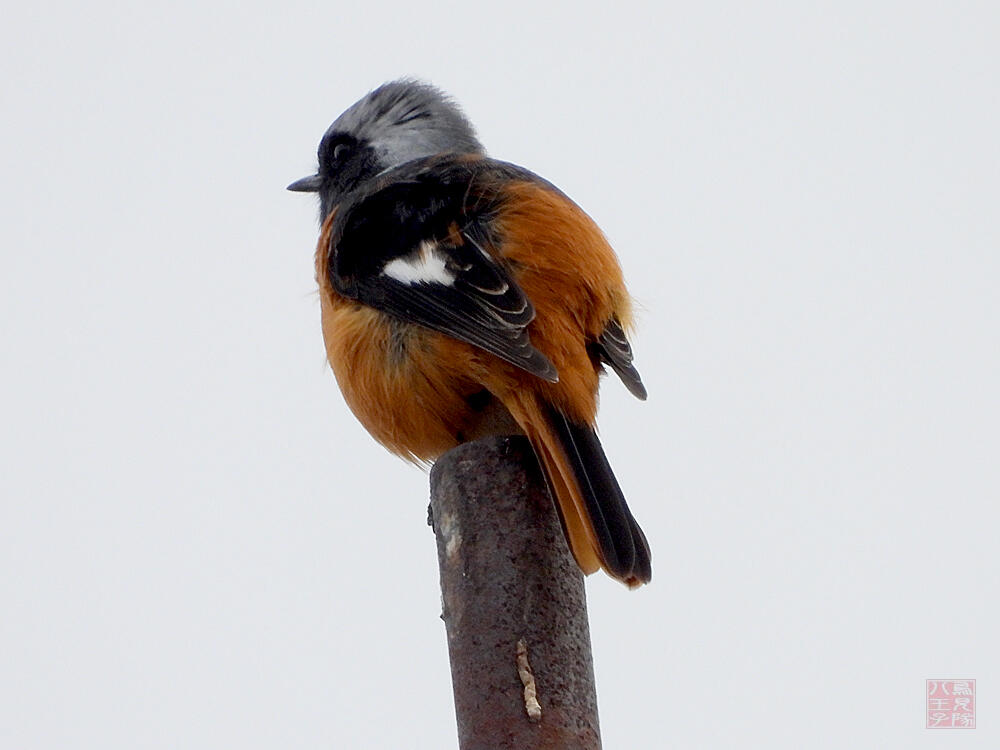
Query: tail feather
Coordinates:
[599,526]
[621,543]
[572,511]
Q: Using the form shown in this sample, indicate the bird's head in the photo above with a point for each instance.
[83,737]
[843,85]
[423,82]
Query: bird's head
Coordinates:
[396,123]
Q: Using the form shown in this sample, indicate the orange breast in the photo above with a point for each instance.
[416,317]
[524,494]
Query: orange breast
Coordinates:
[408,386]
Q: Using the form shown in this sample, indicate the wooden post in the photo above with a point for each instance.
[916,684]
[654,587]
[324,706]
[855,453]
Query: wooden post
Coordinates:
[514,603]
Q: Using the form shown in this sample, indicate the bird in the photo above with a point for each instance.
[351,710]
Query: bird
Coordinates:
[462,296]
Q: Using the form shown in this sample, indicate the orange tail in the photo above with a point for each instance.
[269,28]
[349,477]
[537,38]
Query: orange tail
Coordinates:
[599,526]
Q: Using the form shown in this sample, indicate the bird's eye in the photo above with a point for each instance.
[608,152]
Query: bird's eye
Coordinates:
[340,149]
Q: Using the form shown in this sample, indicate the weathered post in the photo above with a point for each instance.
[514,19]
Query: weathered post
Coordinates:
[514,603]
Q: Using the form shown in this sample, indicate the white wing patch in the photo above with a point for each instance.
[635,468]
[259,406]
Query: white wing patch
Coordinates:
[426,265]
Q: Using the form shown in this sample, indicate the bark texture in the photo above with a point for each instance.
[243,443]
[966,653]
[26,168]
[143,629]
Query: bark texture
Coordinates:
[514,603]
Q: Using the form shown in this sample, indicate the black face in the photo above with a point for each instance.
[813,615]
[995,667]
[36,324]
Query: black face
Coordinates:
[344,163]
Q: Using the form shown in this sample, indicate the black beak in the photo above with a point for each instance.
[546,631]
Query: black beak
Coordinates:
[308,184]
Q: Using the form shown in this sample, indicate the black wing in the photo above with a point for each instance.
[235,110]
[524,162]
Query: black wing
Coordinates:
[614,349]
[417,249]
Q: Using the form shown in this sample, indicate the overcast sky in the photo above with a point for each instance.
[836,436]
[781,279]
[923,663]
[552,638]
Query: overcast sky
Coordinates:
[201,548]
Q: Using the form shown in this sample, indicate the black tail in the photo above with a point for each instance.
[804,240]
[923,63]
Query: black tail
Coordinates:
[621,544]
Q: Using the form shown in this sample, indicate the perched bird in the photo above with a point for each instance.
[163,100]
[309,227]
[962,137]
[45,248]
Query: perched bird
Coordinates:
[463,296]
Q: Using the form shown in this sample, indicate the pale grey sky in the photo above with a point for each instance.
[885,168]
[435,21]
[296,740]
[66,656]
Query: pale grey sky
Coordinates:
[199,546]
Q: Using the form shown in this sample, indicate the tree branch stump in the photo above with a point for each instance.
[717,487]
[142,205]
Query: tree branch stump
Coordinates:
[514,603]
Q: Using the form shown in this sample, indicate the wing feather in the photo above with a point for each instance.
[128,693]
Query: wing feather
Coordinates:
[614,349]
[418,250]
